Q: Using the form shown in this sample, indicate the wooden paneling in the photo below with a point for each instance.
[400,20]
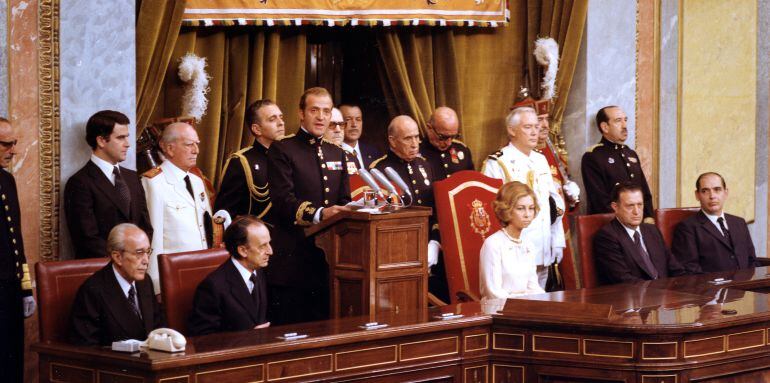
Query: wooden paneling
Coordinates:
[508,341]
[555,344]
[353,251]
[66,373]
[478,374]
[506,373]
[113,377]
[367,357]
[398,247]
[398,293]
[429,348]
[250,373]
[659,350]
[351,297]
[299,367]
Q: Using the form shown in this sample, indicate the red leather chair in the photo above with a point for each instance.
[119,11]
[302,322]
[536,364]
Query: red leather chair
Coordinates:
[57,284]
[667,219]
[357,186]
[180,274]
[465,219]
[587,226]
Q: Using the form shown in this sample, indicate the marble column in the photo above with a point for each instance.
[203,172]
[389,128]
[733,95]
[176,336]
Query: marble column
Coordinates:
[98,71]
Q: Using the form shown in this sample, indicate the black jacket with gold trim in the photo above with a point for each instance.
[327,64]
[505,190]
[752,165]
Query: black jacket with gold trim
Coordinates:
[445,163]
[13,263]
[245,188]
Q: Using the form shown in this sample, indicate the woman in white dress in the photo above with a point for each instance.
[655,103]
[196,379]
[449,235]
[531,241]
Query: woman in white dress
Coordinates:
[507,264]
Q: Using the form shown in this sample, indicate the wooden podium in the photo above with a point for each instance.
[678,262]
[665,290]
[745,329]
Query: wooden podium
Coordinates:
[377,262]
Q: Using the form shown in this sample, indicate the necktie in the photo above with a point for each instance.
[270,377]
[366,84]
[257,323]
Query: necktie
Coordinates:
[645,256]
[725,232]
[132,301]
[359,165]
[255,290]
[188,185]
[123,193]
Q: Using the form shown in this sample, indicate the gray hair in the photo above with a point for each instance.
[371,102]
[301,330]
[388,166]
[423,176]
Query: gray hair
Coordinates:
[172,132]
[117,236]
[514,117]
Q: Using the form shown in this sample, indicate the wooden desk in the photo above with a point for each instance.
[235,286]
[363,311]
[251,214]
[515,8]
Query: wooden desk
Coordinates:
[670,330]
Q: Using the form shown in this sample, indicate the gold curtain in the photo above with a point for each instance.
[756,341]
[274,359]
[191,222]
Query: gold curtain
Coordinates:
[477,72]
[245,64]
[157,28]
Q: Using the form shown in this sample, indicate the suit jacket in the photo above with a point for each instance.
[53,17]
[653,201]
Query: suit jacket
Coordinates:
[92,209]
[618,260]
[606,164]
[369,153]
[101,313]
[244,187]
[223,303]
[700,247]
[177,217]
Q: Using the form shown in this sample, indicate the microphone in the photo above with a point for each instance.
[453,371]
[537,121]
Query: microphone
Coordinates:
[384,181]
[397,180]
[367,177]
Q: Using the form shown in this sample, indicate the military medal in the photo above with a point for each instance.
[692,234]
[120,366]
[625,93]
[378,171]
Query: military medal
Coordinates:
[632,159]
[454,156]
[423,172]
[352,169]
[460,155]
[256,166]
[334,165]
[611,160]
[203,196]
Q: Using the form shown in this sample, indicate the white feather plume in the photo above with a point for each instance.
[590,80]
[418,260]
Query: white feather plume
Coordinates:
[547,54]
[192,70]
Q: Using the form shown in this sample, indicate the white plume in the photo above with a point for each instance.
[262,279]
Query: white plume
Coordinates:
[192,70]
[547,54]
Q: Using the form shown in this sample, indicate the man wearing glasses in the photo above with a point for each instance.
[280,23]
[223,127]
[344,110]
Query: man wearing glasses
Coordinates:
[445,153]
[117,302]
[16,301]
[179,207]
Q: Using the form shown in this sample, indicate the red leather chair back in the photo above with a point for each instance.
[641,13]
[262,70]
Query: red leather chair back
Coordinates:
[357,186]
[465,219]
[57,284]
[180,274]
[667,219]
[587,226]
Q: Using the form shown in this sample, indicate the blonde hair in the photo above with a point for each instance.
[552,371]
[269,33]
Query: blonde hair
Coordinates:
[507,197]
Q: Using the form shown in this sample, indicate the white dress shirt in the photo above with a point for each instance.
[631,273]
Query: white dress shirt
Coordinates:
[106,167]
[631,232]
[507,267]
[245,274]
[126,285]
[714,218]
[354,149]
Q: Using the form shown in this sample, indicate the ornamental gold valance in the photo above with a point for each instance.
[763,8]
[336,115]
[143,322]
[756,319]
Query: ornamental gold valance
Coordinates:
[485,13]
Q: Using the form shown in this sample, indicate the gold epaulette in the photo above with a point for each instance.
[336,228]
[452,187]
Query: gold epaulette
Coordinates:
[152,172]
[285,137]
[459,143]
[591,149]
[496,155]
[377,161]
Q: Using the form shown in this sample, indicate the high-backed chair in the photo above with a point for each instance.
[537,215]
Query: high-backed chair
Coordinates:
[180,274]
[465,219]
[587,226]
[57,284]
[357,187]
[667,219]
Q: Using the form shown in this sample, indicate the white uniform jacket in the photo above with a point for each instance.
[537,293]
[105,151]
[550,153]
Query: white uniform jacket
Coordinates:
[177,217]
[510,164]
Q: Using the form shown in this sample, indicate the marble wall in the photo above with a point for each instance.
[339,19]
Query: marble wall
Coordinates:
[4,58]
[98,71]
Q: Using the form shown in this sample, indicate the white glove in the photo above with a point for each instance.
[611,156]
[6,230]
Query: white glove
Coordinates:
[223,214]
[572,192]
[558,253]
[433,248]
[29,306]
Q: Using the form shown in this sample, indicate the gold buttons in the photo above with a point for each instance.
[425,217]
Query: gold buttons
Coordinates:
[632,175]
[326,178]
[414,182]
[326,190]
[446,166]
[6,208]
[442,155]
[13,240]
[326,202]
[419,201]
[417,191]
[11,230]
[323,166]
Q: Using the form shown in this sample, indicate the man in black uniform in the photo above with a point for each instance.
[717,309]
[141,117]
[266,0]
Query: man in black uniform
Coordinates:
[244,188]
[610,162]
[16,301]
[308,183]
[404,157]
[442,150]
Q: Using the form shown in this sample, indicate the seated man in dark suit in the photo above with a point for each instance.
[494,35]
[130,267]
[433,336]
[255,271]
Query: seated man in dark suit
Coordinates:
[233,297]
[627,250]
[712,240]
[118,301]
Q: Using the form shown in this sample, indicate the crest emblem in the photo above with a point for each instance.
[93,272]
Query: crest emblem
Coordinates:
[479,218]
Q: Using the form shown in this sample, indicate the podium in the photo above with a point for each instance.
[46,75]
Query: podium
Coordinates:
[377,262]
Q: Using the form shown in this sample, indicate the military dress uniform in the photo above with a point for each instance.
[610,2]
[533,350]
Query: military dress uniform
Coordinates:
[510,164]
[605,165]
[15,282]
[306,174]
[444,163]
[178,216]
[244,188]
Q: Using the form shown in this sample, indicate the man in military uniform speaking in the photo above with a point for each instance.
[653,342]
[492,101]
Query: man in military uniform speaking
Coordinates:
[404,157]
[445,154]
[610,162]
[16,301]
[244,188]
[308,183]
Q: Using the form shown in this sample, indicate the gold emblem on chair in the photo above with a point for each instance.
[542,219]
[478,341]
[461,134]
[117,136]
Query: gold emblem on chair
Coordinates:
[480,219]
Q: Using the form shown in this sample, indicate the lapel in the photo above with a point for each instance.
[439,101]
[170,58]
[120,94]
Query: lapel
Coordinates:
[178,185]
[712,230]
[105,186]
[117,303]
[146,294]
[656,252]
[240,291]
[630,247]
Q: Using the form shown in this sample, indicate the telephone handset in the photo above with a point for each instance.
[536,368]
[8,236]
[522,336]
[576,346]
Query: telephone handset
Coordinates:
[166,339]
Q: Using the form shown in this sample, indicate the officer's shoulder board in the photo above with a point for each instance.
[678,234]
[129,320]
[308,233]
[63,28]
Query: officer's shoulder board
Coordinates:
[285,137]
[152,172]
[377,161]
[591,149]
[495,155]
[458,142]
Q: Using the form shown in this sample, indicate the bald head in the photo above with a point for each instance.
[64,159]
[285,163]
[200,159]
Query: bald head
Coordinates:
[179,144]
[404,137]
[443,126]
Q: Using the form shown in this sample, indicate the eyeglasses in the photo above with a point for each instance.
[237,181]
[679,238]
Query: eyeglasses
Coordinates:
[444,137]
[9,144]
[139,252]
[337,124]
